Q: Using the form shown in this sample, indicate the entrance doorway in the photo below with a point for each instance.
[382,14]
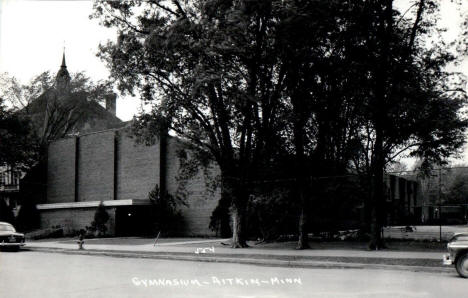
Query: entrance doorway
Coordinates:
[132,221]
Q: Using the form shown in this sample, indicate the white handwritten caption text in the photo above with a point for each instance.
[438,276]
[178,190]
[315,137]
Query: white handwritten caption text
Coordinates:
[214,281]
[204,250]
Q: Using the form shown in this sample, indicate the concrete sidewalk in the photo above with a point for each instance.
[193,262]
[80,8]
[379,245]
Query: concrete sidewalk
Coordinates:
[213,250]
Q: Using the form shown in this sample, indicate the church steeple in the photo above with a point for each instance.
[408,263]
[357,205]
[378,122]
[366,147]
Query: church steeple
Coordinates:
[63,60]
[62,80]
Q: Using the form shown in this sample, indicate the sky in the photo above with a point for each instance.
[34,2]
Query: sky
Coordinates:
[33,34]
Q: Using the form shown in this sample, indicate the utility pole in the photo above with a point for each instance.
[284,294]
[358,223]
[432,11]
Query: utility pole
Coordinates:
[440,205]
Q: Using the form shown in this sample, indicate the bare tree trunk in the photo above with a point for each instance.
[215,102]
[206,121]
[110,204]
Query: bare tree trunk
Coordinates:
[377,199]
[301,172]
[232,189]
[376,241]
[303,241]
[238,239]
[382,95]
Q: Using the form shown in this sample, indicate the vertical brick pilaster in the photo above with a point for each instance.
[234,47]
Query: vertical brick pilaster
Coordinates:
[116,165]
[77,164]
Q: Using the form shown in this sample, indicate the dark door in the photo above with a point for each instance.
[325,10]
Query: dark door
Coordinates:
[132,221]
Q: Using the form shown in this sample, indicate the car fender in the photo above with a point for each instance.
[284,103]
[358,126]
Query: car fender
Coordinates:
[460,253]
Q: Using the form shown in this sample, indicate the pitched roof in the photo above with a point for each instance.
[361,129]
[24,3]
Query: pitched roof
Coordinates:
[87,115]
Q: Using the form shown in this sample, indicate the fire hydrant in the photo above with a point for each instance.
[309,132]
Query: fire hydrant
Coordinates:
[80,240]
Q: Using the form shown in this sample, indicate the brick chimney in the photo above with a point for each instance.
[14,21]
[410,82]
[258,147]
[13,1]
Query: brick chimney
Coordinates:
[111,103]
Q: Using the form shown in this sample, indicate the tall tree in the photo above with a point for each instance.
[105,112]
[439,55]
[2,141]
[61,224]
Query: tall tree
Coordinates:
[210,69]
[411,106]
[353,75]
[321,79]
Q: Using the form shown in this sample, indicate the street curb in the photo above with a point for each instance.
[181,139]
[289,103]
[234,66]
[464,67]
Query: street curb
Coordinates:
[270,262]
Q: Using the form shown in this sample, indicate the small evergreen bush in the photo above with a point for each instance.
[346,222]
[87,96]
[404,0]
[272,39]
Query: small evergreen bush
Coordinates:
[98,226]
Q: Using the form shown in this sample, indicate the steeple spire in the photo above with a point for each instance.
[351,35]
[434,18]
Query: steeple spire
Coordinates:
[62,80]
[63,59]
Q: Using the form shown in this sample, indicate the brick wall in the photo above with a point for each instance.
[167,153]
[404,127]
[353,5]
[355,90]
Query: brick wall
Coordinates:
[96,167]
[137,168]
[200,205]
[200,202]
[73,220]
[61,171]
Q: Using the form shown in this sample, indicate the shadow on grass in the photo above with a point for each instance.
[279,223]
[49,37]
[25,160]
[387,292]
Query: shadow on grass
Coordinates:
[392,245]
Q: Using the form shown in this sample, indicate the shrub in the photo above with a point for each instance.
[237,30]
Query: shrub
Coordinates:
[28,218]
[164,213]
[6,213]
[98,226]
[271,214]
[220,220]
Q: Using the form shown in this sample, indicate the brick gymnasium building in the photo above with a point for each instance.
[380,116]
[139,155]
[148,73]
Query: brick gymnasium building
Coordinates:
[101,162]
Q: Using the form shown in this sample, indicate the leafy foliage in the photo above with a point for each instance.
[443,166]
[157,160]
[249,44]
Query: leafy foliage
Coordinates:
[165,216]
[272,213]
[345,86]
[17,142]
[19,96]
[409,104]
[210,70]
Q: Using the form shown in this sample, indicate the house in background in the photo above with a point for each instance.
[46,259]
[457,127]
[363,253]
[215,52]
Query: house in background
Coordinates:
[9,180]
[403,200]
[9,187]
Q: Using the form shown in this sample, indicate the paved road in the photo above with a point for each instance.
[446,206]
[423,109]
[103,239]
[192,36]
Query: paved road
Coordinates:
[36,274]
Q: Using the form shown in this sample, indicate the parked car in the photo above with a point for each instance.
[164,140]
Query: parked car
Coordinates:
[458,253]
[9,237]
